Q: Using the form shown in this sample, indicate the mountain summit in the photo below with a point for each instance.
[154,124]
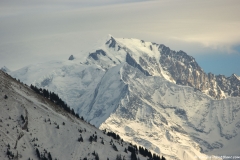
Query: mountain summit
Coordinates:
[149,95]
[158,60]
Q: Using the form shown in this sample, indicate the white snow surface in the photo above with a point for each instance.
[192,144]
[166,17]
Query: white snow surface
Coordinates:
[178,122]
[40,128]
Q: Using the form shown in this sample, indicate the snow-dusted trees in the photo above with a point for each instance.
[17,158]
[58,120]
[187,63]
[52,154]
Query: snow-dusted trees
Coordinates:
[96,156]
[80,139]
[114,135]
[114,147]
[49,156]
[91,139]
[55,99]
[133,155]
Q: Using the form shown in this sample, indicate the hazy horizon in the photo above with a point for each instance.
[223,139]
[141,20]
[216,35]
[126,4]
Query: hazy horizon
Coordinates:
[38,31]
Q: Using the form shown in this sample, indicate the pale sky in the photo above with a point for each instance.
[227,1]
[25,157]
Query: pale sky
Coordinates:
[43,30]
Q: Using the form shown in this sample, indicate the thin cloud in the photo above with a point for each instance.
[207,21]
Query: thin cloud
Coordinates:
[56,29]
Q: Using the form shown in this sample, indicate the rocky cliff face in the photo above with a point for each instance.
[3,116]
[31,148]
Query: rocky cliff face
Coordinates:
[230,85]
[158,60]
[186,71]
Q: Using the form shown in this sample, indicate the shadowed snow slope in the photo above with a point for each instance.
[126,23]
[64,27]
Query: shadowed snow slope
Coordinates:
[150,95]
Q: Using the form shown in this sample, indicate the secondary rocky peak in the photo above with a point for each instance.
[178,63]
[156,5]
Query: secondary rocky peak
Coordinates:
[185,71]
[111,42]
[235,77]
[182,67]
[95,54]
[179,56]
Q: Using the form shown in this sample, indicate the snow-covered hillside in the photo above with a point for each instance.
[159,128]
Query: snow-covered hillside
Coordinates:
[30,122]
[149,95]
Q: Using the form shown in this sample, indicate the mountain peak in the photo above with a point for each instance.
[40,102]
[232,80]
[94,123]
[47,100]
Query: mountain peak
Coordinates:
[111,43]
[159,60]
[235,76]
[109,37]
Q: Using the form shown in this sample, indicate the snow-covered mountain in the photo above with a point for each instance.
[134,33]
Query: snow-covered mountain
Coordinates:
[149,95]
[30,122]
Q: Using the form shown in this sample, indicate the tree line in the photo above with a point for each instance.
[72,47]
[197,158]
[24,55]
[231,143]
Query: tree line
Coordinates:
[55,99]
[59,102]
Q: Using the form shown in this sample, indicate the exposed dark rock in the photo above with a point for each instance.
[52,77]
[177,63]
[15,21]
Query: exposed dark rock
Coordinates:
[181,113]
[111,42]
[46,82]
[95,54]
[133,63]
[217,145]
[71,58]
[179,129]
[151,47]
[186,71]
[203,143]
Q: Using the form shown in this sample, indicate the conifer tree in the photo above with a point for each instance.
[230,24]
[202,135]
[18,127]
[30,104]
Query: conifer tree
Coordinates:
[133,155]
[38,153]
[49,156]
[96,156]
[119,157]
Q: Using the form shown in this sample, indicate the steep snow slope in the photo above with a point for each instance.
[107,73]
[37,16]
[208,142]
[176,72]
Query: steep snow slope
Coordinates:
[29,121]
[175,120]
[129,86]
[74,82]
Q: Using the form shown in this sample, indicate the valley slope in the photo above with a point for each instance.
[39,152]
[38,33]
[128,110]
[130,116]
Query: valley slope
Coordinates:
[30,122]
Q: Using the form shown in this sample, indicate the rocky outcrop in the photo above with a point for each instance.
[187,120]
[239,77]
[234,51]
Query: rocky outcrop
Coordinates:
[230,85]
[186,71]
[133,63]
[71,58]
[95,54]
